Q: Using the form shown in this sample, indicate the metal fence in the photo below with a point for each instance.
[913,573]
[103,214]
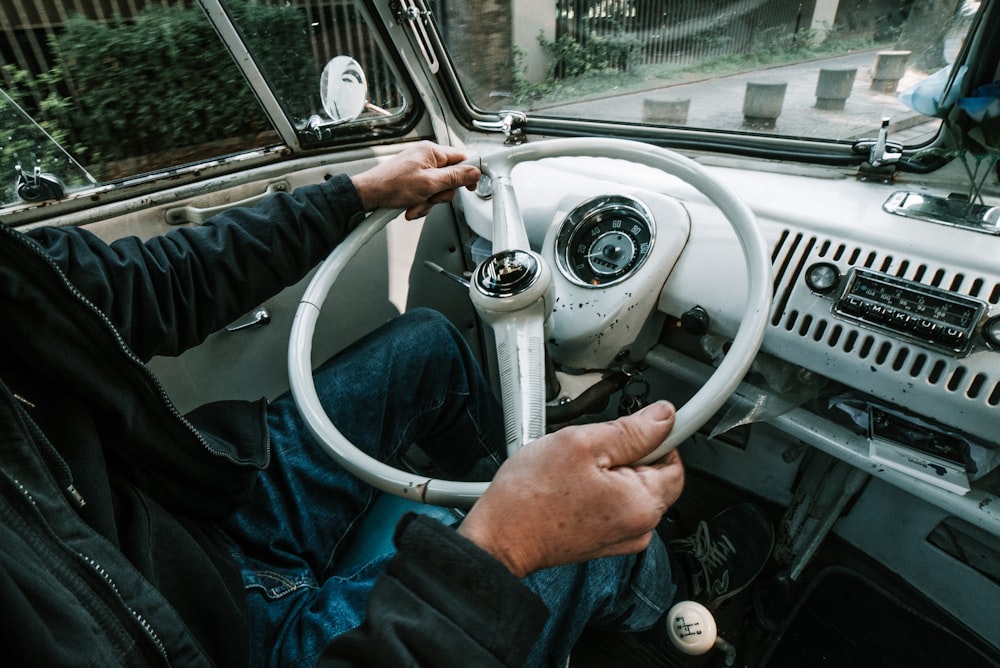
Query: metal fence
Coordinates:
[677,31]
[683,32]
[27,25]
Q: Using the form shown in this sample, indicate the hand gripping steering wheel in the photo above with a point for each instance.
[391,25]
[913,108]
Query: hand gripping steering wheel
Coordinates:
[512,292]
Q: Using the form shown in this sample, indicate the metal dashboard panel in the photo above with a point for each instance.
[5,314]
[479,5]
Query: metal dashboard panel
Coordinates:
[960,388]
[831,217]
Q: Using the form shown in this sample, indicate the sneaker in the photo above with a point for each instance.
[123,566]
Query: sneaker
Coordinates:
[726,553]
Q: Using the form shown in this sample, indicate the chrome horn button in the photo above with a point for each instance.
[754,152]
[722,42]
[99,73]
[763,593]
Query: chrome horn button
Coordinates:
[507,273]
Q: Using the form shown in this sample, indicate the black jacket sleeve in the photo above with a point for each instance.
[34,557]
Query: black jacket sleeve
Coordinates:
[442,602]
[167,294]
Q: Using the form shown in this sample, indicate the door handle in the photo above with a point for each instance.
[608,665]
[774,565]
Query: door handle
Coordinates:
[181,215]
[260,317]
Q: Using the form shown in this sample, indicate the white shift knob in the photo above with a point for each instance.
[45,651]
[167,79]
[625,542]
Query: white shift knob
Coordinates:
[692,627]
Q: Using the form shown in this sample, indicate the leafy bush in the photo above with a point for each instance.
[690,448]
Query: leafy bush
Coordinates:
[572,57]
[162,81]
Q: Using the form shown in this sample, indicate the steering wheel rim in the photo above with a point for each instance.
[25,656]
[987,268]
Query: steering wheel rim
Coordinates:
[509,235]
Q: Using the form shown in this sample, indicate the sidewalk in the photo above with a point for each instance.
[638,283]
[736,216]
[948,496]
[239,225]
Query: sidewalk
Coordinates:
[718,103]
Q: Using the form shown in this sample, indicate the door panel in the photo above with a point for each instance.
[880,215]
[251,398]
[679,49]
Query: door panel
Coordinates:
[386,277]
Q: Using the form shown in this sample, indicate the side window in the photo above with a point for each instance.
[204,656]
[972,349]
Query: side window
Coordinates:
[117,89]
[129,91]
[330,73]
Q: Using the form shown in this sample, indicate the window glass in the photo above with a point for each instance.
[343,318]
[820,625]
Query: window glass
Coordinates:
[126,88]
[826,69]
[25,147]
[325,64]
[131,90]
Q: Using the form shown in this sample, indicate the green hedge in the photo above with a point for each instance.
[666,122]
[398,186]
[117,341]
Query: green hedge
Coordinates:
[596,53]
[163,81]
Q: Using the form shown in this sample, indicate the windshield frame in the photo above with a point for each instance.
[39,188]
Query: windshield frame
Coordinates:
[742,143]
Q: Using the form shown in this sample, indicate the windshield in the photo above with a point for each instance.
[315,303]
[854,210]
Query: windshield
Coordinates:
[132,90]
[823,70]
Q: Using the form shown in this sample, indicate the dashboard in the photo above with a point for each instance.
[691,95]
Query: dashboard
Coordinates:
[895,310]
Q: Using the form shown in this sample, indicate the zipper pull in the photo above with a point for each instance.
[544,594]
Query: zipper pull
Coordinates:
[24,401]
[74,495]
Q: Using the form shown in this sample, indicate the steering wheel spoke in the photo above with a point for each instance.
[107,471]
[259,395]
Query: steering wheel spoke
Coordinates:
[508,226]
[520,346]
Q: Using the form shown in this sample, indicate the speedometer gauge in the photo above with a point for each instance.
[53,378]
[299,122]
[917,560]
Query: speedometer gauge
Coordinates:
[604,240]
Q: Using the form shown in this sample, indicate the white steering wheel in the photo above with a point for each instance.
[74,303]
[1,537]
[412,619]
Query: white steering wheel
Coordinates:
[512,292]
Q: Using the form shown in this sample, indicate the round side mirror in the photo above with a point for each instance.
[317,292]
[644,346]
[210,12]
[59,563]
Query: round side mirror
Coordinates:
[343,89]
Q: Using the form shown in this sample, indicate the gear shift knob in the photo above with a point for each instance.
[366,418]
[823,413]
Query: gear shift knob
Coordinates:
[692,630]
[691,627]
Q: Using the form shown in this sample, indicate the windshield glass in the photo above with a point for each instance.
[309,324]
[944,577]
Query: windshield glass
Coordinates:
[829,69]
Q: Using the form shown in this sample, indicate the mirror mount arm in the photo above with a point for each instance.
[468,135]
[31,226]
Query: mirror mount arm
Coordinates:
[511,123]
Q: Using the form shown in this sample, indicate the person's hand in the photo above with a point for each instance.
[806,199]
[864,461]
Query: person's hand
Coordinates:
[574,495]
[416,179]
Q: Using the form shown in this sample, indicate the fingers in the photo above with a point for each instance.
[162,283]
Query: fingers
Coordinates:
[635,436]
[449,179]
[464,175]
[418,211]
[574,494]
[444,155]
[416,179]
[664,479]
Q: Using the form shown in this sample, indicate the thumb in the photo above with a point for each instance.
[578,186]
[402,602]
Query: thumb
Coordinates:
[456,176]
[640,433]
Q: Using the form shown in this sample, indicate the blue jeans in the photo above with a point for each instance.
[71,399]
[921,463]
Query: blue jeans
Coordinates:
[412,381]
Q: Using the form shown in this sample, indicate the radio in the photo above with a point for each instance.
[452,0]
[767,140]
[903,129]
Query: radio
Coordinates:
[930,316]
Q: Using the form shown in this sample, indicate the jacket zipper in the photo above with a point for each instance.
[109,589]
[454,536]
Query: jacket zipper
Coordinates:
[132,357]
[59,469]
[146,626]
[103,574]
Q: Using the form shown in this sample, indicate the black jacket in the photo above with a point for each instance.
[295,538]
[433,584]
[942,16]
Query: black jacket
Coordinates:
[108,494]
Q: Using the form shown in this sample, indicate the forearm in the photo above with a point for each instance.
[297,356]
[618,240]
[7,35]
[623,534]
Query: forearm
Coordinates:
[169,293]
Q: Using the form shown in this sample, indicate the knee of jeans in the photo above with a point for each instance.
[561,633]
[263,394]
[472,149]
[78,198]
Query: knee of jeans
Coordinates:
[424,317]
[430,326]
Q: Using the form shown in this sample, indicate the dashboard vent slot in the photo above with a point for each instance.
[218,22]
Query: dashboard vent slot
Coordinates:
[799,315]
[788,258]
[794,251]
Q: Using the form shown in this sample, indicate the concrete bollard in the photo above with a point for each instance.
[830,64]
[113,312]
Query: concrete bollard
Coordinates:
[833,87]
[665,110]
[889,68]
[762,104]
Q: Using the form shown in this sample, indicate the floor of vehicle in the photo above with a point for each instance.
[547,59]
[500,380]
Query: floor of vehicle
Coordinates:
[846,620]
[844,611]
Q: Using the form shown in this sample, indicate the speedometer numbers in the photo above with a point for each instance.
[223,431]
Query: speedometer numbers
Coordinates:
[604,240]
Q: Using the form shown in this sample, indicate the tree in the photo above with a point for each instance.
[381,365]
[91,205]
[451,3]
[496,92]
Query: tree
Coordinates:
[925,30]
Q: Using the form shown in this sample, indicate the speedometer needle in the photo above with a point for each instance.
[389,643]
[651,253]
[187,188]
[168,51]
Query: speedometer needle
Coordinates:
[607,251]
